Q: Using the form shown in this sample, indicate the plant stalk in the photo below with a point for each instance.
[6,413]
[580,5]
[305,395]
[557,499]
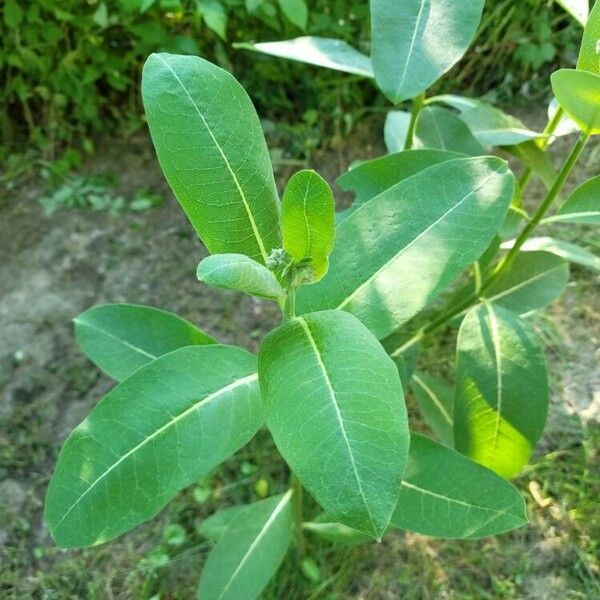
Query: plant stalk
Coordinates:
[298,516]
[417,105]
[506,263]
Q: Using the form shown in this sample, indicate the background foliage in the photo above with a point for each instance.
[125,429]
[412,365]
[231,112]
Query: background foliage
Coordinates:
[70,69]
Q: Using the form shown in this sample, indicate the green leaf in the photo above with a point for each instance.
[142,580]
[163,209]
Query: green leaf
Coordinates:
[578,92]
[582,206]
[493,127]
[100,16]
[213,152]
[571,252]
[441,128]
[460,103]
[333,402]
[167,425]
[295,11]
[121,338]
[446,495]
[588,54]
[395,130]
[435,399]
[241,273]
[13,14]
[414,42]
[214,526]
[214,16]
[249,551]
[372,177]
[579,9]
[501,398]
[535,280]
[318,51]
[308,220]
[420,234]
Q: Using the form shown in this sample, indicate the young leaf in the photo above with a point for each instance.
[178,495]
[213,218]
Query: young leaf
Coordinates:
[460,103]
[121,338]
[535,280]
[241,273]
[213,153]
[579,9]
[435,399]
[214,16]
[163,428]
[446,495]
[395,130]
[416,41]
[578,92]
[429,228]
[215,526]
[441,128]
[308,220]
[296,12]
[588,55]
[501,398]
[571,252]
[333,402]
[372,177]
[318,51]
[583,205]
[249,551]
[493,127]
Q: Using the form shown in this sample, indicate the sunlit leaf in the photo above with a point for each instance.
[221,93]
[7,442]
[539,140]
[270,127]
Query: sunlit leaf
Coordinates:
[578,92]
[582,206]
[501,398]
[589,60]
[213,153]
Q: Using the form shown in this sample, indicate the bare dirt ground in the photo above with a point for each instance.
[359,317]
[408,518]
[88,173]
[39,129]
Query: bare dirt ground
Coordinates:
[53,268]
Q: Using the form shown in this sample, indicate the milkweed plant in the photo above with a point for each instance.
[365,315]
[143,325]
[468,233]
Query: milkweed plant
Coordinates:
[352,287]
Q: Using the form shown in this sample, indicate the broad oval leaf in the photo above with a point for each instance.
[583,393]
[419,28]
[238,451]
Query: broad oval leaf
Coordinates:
[414,42]
[493,127]
[582,206]
[249,551]
[571,252]
[241,273]
[121,338]
[372,177]
[535,280]
[308,220]
[501,398]
[212,151]
[395,130]
[578,92]
[579,9]
[163,428]
[588,54]
[420,234]
[435,399]
[333,402]
[441,128]
[318,51]
[446,495]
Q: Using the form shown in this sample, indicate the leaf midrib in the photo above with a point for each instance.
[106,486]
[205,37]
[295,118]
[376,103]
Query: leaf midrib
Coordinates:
[494,331]
[339,417]
[213,396]
[411,48]
[434,397]
[257,235]
[371,278]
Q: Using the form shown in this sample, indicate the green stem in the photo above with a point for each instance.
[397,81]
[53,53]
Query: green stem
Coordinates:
[298,515]
[417,105]
[289,309]
[506,263]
